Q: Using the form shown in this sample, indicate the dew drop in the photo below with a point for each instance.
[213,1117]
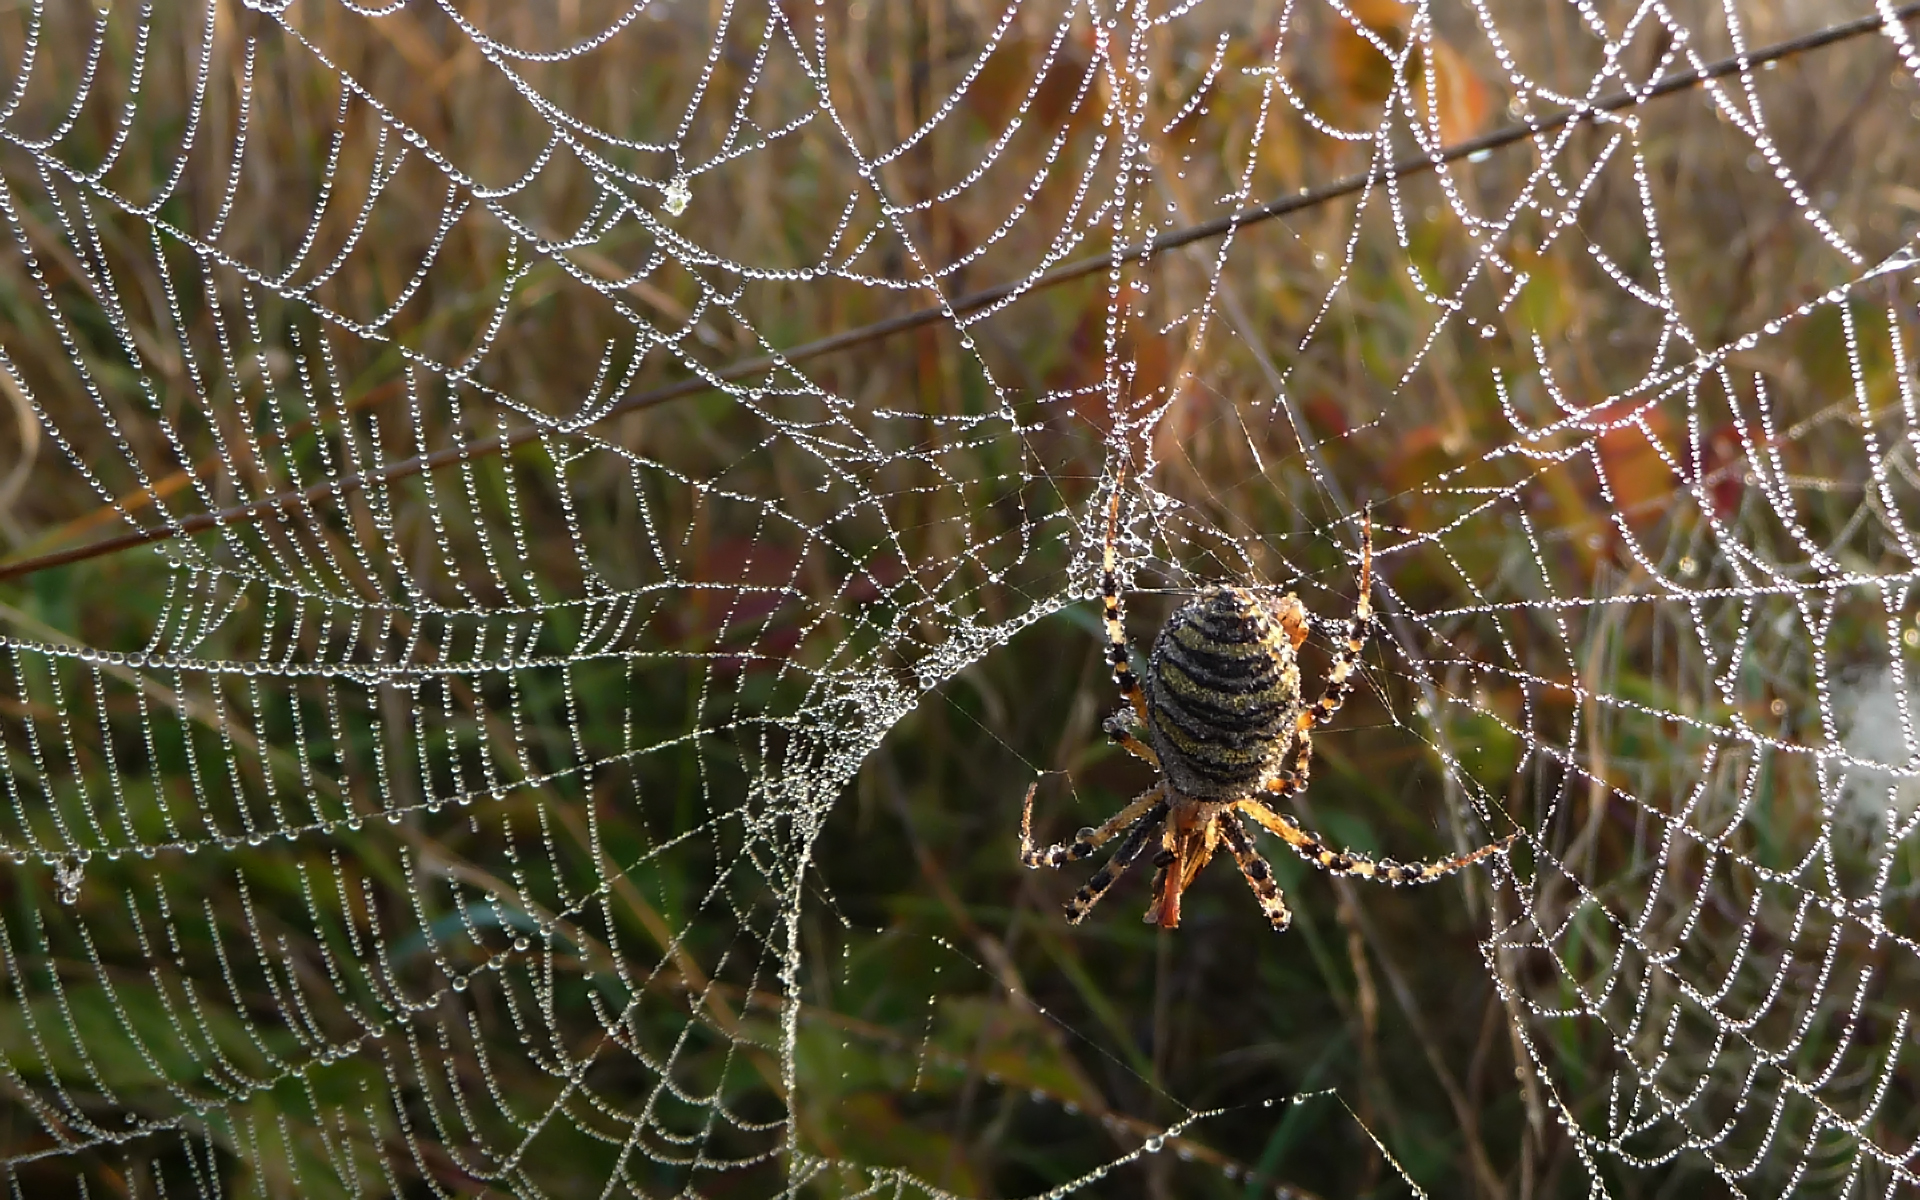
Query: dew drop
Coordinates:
[677,196]
[67,876]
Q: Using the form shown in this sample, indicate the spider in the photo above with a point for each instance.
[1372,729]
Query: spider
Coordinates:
[1231,736]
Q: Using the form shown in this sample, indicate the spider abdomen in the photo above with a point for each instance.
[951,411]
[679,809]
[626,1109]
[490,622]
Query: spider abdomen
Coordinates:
[1222,691]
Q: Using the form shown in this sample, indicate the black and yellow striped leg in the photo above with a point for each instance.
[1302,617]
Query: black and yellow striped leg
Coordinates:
[1087,840]
[1337,862]
[1117,654]
[1292,779]
[1340,678]
[1119,729]
[1096,885]
[1258,874]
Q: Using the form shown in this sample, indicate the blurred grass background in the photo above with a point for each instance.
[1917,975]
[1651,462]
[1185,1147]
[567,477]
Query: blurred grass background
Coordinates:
[950,1024]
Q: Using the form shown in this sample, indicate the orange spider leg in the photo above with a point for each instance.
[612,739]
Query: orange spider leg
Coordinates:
[1187,847]
[1164,911]
[1123,737]
[1208,837]
[1340,678]
[1087,840]
[1292,779]
[1315,850]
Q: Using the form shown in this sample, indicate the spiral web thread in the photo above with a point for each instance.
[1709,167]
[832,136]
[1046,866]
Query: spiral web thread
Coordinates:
[404,707]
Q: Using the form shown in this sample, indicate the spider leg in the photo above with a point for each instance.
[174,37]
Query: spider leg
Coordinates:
[1186,850]
[1096,886]
[1258,874]
[1087,840]
[1116,627]
[1292,780]
[1336,862]
[1206,839]
[1340,678]
[1117,729]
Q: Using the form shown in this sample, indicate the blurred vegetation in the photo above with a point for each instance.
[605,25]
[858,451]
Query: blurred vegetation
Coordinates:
[948,1024]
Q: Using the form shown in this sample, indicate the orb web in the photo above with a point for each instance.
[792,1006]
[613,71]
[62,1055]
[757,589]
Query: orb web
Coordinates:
[430,788]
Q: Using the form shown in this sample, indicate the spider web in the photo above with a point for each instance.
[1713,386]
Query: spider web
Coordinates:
[446,800]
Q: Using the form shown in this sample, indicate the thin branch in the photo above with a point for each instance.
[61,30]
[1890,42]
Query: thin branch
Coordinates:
[287,504]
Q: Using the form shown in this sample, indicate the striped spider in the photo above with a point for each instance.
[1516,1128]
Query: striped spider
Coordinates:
[1231,736]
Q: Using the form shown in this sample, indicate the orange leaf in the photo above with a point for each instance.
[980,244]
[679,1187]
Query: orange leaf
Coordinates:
[1641,481]
[1364,73]
[1459,99]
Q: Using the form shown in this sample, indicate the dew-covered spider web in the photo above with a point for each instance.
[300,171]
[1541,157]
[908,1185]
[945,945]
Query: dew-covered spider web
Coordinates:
[462,732]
